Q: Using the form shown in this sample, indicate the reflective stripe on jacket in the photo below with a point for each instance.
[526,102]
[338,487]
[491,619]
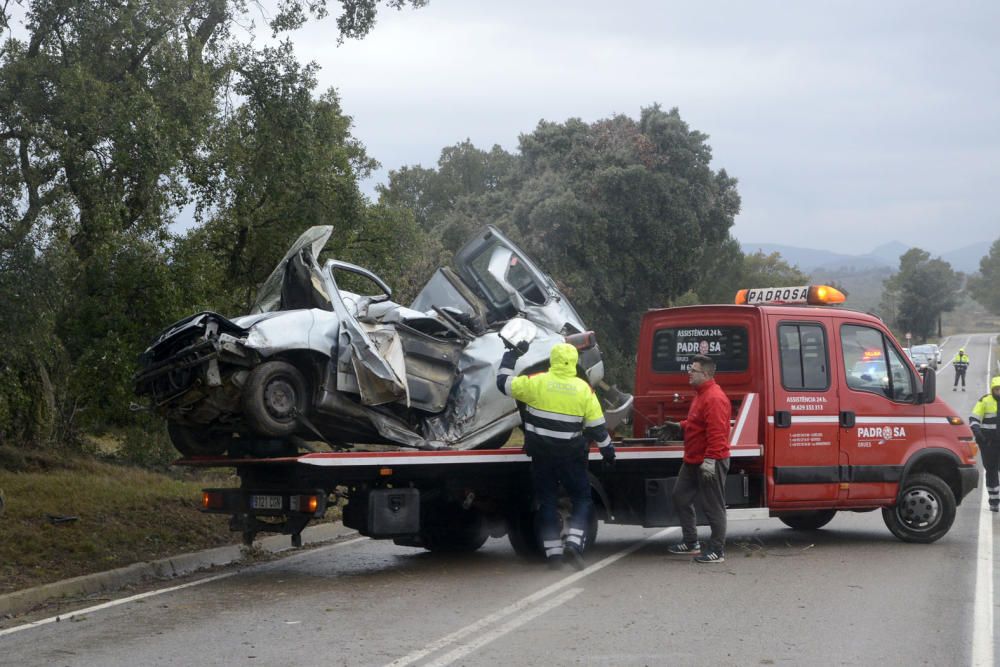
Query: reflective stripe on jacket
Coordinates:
[960,362]
[984,415]
[562,413]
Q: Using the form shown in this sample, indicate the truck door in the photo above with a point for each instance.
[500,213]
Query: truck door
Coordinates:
[803,424]
[880,399]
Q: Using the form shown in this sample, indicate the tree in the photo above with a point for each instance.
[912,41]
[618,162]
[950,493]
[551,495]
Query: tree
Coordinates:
[113,116]
[920,292]
[985,286]
[623,213]
[729,270]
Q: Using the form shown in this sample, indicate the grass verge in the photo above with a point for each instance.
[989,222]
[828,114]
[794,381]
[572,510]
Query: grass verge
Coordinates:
[123,515]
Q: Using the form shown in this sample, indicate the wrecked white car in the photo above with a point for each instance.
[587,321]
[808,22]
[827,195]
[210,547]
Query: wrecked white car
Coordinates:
[314,362]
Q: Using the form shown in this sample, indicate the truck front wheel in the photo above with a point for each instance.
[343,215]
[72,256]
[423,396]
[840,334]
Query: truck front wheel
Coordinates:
[924,510]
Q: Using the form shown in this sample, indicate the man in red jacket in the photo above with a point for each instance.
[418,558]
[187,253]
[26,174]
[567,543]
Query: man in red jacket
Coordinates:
[706,462]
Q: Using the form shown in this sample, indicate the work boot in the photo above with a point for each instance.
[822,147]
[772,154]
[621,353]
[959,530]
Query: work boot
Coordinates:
[994,508]
[963,388]
[574,557]
[954,388]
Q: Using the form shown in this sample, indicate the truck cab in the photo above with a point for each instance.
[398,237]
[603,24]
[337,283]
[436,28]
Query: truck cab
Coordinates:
[845,421]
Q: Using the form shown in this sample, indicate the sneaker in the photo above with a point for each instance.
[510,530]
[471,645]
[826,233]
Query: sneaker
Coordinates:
[710,557]
[554,563]
[574,558]
[685,549]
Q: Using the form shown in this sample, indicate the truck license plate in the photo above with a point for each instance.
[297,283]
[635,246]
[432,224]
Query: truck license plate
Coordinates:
[265,502]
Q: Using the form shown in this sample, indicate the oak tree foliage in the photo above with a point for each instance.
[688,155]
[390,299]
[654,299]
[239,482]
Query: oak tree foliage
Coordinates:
[115,116]
[985,285]
[915,297]
[624,213]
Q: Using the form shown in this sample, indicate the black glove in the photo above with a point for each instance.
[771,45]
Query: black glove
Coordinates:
[608,453]
[674,430]
[977,433]
[509,358]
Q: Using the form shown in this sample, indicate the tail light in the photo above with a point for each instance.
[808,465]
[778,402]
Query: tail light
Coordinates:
[212,500]
[582,341]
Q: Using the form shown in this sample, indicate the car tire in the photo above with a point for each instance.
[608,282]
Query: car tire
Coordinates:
[808,520]
[924,509]
[273,398]
[197,441]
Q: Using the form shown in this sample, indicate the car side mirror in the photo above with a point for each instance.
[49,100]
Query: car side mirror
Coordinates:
[928,392]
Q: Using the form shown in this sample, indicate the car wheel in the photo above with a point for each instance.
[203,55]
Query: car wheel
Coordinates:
[273,398]
[198,441]
[924,510]
[808,520]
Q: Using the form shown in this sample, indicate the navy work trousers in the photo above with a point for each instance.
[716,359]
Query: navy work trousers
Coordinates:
[546,475]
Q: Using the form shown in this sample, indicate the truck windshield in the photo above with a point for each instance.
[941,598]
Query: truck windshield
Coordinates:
[674,348]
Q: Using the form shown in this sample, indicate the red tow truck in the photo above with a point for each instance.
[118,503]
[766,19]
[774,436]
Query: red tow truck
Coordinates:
[828,415]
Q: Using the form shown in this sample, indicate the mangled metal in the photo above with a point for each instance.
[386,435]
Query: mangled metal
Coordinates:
[313,360]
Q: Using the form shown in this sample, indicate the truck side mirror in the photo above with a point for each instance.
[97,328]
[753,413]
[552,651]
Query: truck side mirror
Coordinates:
[929,390]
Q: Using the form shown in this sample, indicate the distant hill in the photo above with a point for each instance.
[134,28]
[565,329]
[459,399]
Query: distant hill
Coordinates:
[886,256]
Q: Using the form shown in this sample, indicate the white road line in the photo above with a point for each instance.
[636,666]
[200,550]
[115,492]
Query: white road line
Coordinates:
[515,607]
[989,361]
[149,594]
[113,603]
[982,631]
[509,626]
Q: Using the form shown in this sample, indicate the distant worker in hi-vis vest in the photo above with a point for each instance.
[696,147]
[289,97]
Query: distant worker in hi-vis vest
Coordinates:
[961,364]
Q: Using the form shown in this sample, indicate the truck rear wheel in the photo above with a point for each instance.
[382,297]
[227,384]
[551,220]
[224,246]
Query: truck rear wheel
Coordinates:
[524,540]
[924,510]
[808,520]
[197,441]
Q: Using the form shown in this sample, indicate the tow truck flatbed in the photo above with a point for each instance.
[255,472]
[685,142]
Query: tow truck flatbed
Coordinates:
[453,500]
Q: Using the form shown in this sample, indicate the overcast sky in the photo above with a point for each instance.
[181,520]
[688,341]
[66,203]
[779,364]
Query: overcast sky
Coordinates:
[848,124]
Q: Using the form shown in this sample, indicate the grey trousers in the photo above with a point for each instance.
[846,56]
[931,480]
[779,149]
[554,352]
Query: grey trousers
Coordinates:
[690,485]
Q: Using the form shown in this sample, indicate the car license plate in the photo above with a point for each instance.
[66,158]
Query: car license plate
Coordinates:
[265,502]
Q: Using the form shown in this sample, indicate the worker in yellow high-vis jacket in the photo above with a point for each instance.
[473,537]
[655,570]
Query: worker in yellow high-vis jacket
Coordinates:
[984,426]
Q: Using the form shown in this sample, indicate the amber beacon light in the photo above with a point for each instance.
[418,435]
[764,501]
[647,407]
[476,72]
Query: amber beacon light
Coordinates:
[814,295]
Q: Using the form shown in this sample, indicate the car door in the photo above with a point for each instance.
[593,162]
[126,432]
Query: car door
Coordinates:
[370,357]
[508,282]
[804,420]
[880,396]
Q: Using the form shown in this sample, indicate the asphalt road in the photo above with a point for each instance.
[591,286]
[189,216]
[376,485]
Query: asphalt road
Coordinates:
[850,594]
